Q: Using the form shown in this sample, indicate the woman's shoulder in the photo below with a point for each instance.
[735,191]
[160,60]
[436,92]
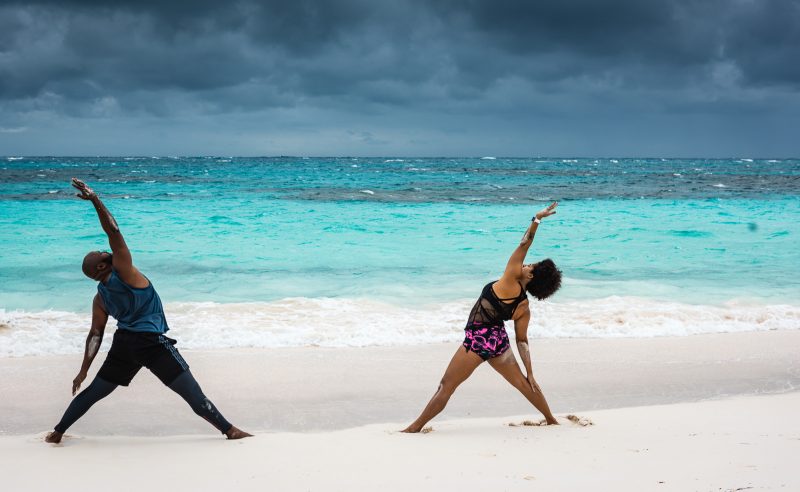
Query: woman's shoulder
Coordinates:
[506,289]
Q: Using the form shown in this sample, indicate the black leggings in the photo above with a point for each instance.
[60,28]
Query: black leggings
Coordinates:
[185,385]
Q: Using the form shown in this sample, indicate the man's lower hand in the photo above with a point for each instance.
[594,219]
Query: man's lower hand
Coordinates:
[76,383]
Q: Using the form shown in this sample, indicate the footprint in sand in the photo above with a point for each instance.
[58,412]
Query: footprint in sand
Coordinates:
[582,421]
[529,423]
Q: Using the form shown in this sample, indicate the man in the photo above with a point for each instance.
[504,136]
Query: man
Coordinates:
[127,295]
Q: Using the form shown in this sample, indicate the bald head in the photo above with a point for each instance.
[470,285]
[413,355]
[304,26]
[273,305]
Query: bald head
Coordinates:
[96,265]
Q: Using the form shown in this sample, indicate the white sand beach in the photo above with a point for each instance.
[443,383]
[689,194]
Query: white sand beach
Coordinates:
[709,412]
[744,443]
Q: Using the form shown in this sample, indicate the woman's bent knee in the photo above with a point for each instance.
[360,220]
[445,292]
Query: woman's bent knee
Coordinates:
[446,387]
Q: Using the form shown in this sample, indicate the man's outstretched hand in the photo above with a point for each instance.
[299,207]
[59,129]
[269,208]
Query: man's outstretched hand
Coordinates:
[86,193]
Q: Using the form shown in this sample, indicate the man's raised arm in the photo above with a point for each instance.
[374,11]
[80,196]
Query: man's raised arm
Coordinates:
[121,259]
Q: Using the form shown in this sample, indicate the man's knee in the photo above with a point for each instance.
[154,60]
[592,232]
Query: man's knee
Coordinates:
[197,400]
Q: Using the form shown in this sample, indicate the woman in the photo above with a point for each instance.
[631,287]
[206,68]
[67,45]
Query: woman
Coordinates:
[486,338]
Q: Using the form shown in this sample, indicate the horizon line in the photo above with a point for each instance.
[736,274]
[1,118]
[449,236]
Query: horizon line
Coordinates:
[285,156]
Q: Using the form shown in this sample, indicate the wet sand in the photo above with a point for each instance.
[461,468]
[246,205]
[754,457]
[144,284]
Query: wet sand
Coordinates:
[316,389]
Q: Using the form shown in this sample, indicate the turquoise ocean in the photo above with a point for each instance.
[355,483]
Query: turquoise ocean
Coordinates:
[298,251]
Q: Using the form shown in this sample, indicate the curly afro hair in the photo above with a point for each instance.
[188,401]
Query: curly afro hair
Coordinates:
[546,280]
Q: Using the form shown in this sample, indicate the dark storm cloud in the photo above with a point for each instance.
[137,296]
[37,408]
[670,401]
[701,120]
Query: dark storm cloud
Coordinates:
[88,47]
[640,43]
[765,43]
[87,59]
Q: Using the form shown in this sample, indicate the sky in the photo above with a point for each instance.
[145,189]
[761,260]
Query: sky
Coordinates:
[591,78]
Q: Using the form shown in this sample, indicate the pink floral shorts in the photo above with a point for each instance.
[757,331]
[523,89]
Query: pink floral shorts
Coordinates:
[486,340]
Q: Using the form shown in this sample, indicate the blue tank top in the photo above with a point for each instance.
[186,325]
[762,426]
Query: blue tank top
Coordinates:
[134,309]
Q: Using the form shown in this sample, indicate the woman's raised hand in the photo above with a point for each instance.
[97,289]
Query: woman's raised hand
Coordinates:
[547,212]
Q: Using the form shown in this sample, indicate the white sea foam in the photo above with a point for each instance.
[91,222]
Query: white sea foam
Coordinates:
[489,158]
[368,192]
[361,322]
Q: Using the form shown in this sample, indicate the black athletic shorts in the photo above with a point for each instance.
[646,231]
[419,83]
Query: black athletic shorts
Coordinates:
[131,350]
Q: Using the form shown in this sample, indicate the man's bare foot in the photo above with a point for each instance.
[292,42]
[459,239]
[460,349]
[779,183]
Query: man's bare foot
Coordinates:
[53,438]
[236,433]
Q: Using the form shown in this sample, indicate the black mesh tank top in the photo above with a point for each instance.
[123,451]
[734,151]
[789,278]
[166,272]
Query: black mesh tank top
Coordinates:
[492,310]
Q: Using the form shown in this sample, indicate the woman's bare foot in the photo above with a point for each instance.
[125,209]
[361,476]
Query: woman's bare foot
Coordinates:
[53,438]
[236,433]
[411,429]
